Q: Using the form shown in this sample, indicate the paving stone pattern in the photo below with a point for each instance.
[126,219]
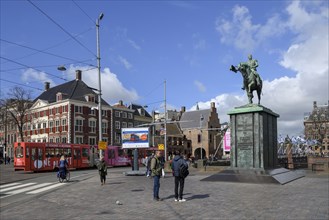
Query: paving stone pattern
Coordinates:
[304,198]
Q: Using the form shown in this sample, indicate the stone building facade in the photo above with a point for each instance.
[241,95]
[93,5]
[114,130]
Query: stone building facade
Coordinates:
[316,124]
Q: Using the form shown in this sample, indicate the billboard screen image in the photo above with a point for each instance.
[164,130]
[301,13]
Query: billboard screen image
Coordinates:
[135,137]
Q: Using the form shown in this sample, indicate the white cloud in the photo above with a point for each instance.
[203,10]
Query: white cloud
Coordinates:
[112,88]
[134,44]
[307,56]
[125,62]
[200,86]
[243,34]
[31,75]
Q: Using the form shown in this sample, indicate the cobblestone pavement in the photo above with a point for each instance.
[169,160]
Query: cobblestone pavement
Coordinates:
[304,198]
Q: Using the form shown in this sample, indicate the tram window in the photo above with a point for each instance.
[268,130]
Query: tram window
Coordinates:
[66,151]
[111,154]
[85,152]
[40,153]
[19,152]
[58,152]
[69,152]
[121,153]
[48,152]
[33,153]
[27,153]
[76,154]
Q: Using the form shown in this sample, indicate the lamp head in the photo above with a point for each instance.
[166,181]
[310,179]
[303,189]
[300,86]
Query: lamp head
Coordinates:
[101,16]
[61,68]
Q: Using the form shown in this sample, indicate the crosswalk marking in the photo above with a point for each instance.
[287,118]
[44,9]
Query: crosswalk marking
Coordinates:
[15,187]
[45,188]
[27,188]
[7,185]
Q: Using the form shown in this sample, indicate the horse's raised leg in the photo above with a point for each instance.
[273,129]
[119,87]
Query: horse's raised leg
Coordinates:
[250,96]
[259,91]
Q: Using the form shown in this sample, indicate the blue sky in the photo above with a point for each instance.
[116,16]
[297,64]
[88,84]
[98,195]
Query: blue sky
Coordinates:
[190,44]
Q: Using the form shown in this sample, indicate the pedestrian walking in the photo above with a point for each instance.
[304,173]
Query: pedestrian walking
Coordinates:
[156,171]
[148,165]
[102,170]
[8,160]
[179,178]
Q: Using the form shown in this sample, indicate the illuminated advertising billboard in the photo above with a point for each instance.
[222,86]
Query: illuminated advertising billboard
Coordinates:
[135,137]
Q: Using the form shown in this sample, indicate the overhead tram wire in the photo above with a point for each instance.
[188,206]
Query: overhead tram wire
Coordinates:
[56,45]
[54,65]
[20,84]
[61,27]
[84,12]
[153,89]
[32,68]
[55,55]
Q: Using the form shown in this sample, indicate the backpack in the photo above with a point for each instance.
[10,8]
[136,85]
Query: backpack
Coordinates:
[149,162]
[183,169]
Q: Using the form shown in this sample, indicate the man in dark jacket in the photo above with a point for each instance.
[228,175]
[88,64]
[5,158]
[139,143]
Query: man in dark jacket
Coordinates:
[179,181]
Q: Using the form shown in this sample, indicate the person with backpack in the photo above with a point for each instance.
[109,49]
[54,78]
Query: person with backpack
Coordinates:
[102,170]
[156,171]
[180,172]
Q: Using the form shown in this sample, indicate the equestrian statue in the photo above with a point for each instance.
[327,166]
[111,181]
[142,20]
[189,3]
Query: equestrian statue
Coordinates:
[251,79]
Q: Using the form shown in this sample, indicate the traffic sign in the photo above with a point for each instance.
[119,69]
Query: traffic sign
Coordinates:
[160,146]
[102,145]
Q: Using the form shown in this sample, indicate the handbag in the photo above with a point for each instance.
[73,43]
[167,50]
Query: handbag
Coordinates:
[163,173]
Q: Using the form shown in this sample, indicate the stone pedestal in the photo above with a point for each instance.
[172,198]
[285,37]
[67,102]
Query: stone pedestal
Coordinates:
[254,148]
[253,137]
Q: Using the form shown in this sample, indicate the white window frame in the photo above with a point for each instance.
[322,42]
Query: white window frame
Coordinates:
[78,127]
[117,125]
[92,126]
[64,123]
[124,114]
[104,127]
[78,139]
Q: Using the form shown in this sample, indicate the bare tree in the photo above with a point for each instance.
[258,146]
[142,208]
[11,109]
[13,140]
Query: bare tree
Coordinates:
[16,107]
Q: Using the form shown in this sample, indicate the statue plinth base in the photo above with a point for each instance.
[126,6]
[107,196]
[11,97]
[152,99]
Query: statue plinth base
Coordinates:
[253,137]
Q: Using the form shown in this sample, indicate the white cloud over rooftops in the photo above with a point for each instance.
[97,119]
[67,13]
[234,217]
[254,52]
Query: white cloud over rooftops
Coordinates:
[307,56]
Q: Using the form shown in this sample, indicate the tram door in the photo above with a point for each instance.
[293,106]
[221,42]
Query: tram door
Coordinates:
[36,158]
[76,157]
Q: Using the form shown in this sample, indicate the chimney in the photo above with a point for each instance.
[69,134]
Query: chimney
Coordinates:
[47,86]
[121,103]
[183,109]
[212,104]
[78,75]
[314,105]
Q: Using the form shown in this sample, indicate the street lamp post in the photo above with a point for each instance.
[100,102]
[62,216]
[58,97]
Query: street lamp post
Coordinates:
[165,121]
[99,84]
[201,119]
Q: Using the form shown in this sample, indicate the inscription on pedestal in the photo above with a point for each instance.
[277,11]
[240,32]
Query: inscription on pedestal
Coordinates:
[244,133]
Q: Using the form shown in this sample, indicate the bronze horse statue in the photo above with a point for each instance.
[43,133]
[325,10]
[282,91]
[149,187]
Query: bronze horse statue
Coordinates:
[249,80]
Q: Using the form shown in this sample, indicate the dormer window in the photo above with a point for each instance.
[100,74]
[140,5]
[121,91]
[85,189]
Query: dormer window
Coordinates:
[141,111]
[59,97]
[90,98]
